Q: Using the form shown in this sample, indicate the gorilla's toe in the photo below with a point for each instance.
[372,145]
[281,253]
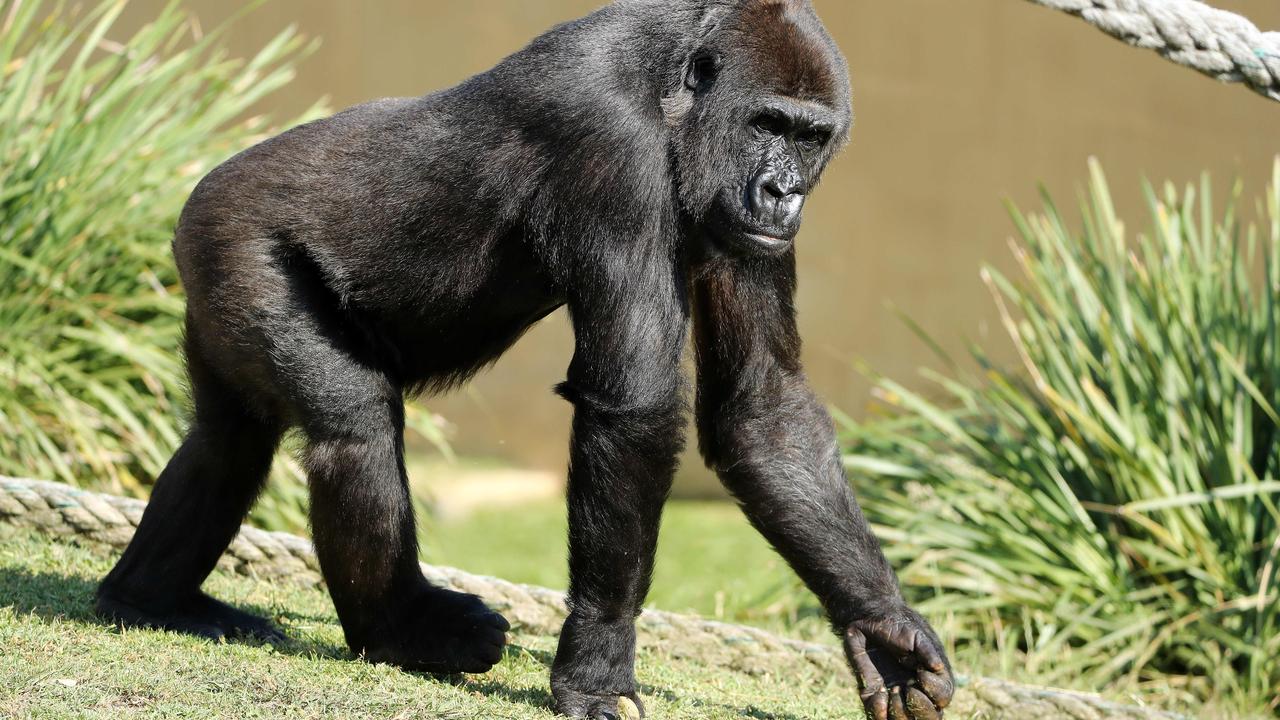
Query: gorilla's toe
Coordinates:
[442,633]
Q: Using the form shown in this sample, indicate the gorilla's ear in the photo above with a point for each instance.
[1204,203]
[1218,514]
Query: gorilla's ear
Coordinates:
[701,70]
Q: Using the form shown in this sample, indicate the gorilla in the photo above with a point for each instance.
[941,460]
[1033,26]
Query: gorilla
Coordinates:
[645,167]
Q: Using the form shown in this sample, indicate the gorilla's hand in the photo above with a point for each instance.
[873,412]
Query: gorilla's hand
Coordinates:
[901,669]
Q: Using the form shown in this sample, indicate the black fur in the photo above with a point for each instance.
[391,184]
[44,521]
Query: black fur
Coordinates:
[641,165]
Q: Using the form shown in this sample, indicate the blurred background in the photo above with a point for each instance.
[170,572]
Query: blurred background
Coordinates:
[1082,490]
[958,105]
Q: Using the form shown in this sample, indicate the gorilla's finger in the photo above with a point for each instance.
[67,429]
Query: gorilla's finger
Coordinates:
[854,640]
[474,665]
[490,636]
[485,618]
[491,654]
[877,705]
[493,619]
[927,651]
[870,681]
[939,688]
[897,708]
[920,706]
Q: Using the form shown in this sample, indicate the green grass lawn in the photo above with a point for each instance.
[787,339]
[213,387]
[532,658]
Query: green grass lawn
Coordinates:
[711,562]
[56,661]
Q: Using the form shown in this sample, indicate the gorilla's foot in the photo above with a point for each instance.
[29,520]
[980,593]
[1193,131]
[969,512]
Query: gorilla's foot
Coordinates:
[198,615]
[440,632]
[574,704]
[594,672]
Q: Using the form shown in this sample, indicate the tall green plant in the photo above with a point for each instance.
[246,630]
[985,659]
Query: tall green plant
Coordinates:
[100,143]
[1106,509]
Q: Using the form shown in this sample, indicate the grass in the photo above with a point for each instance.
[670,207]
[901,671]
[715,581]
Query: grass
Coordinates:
[1105,511]
[712,563]
[59,663]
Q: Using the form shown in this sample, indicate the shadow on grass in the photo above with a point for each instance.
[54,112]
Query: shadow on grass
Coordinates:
[47,595]
[536,698]
[540,698]
[51,596]
[749,711]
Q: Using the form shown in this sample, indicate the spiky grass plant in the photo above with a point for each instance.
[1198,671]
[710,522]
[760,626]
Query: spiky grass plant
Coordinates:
[101,140]
[1104,510]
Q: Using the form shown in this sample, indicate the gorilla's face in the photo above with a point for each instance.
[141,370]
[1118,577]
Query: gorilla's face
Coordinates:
[759,207]
[767,107]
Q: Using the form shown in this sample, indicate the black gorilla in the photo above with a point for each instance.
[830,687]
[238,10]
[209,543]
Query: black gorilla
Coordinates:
[642,166]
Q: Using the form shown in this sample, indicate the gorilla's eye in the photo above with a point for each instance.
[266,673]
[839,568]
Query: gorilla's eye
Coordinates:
[703,69]
[813,139]
[770,123]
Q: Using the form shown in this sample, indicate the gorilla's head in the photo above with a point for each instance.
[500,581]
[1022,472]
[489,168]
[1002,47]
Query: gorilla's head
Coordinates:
[762,105]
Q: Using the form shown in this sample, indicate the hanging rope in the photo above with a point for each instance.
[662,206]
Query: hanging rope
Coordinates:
[1218,43]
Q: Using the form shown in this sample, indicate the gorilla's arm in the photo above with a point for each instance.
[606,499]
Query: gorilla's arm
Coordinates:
[624,382]
[773,445]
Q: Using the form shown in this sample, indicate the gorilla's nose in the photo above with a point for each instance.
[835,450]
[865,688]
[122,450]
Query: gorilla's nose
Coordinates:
[777,199]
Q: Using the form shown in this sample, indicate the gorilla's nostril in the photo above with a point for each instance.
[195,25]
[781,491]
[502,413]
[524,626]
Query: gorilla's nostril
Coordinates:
[789,208]
[762,198]
[772,187]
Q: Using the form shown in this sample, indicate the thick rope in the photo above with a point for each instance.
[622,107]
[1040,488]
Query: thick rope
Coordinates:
[1218,43]
[65,511]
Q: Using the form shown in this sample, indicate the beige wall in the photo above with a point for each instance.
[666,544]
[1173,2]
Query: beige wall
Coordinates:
[960,103]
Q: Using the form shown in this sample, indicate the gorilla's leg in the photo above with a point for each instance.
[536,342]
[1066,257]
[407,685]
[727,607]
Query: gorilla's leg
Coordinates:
[195,510]
[363,525]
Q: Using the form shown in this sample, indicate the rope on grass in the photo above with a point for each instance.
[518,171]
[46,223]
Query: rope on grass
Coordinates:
[1215,42]
[65,511]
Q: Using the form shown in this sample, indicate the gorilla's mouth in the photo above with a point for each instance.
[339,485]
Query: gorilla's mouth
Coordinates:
[769,242]
[736,231]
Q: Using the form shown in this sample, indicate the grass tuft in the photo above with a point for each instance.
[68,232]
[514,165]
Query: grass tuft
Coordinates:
[1105,511]
[102,138]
